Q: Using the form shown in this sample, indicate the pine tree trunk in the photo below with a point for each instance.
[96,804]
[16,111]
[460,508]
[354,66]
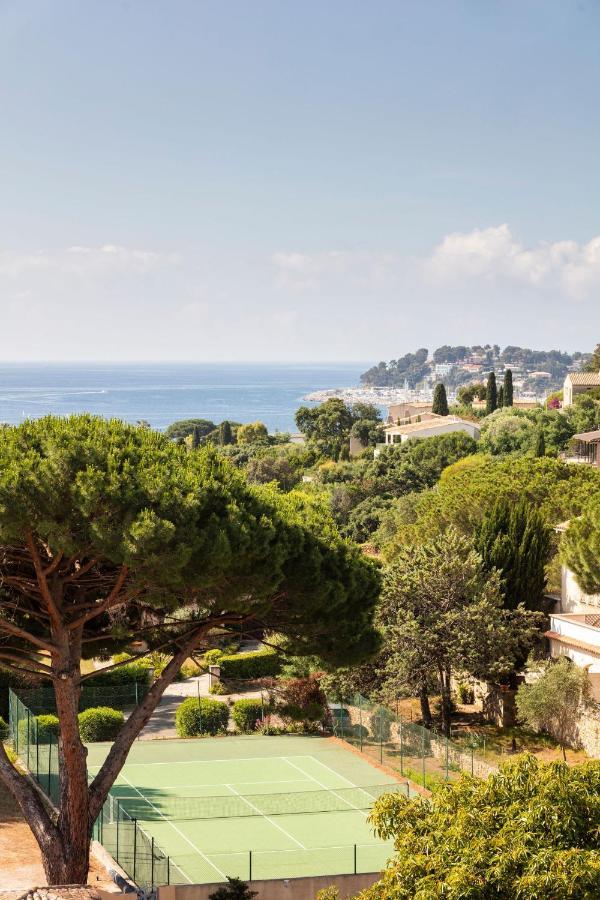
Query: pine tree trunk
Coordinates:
[446,705]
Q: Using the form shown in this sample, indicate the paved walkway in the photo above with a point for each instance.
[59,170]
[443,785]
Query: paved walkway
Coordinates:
[162,723]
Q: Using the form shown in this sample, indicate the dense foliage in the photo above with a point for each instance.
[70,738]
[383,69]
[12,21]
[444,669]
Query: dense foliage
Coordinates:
[581,546]
[100,723]
[551,703]
[200,715]
[258,664]
[247,714]
[329,425]
[529,832]
[442,612]
[515,541]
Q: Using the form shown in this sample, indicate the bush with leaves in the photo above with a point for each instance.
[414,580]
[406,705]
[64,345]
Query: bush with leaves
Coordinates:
[100,723]
[47,728]
[201,716]
[130,673]
[580,547]
[247,714]
[301,700]
[552,703]
[235,889]
[530,831]
[256,664]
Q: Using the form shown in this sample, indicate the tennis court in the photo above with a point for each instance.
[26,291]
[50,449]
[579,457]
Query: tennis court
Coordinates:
[256,807]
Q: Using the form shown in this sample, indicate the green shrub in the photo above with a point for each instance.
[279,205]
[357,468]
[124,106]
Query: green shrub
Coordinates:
[48,727]
[212,657]
[201,716]
[247,714]
[250,665]
[465,693]
[128,674]
[100,723]
[3,729]
[217,687]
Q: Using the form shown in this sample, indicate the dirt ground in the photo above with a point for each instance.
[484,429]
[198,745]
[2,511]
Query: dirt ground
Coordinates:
[20,859]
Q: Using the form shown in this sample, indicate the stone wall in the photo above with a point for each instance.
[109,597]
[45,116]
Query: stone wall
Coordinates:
[278,889]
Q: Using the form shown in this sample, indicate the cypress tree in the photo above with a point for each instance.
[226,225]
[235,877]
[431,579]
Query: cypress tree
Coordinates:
[440,401]
[195,443]
[500,397]
[225,434]
[516,540]
[491,394]
[508,388]
[540,443]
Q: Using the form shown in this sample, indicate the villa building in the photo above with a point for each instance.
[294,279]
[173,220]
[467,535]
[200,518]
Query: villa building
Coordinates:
[435,425]
[577,383]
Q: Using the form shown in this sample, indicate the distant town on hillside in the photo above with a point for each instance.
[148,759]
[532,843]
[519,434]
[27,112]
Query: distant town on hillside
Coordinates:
[537,371]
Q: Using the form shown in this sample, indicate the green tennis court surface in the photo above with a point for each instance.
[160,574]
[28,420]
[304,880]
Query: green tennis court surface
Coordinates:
[260,807]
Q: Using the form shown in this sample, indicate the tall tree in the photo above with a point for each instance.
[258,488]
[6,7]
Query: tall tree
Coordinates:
[552,702]
[580,546]
[440,612]
[491,394]
[110,532]
[225,434]
[594,364]
[195,439]
[508,388]
[529,831]
[515,541]
[540,443]
[500,397]
[440,400]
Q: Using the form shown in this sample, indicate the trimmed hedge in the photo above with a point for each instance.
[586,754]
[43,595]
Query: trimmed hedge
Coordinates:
[247,714]
[259,664]
[3,729]
[48,727]
[128,674]
[100,723]
[204,716]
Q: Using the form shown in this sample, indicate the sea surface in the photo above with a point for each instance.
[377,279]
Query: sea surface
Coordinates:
[162,393]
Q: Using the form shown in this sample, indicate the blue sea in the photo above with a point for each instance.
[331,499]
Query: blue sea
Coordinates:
[162,393]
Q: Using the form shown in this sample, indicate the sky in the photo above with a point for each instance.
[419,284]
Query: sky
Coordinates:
[224,180]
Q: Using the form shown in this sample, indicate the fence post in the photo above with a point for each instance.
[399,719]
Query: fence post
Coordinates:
[447,742]
[360,724]
[28,737]
[136,693]
[423,752]
[117,847]
[37,755]
[249,865]
[355,859]
[134,845]
[168,870]
[380,740]
[401,746]
[49,764]
[152,864]
[472,761]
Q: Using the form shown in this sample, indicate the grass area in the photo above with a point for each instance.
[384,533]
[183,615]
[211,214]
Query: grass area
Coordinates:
[495,744]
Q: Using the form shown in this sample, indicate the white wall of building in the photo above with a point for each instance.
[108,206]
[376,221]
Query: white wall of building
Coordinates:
[573,599]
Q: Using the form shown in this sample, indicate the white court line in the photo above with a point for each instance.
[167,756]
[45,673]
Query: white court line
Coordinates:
[325,788]
[178,830]
[268,818]
[172,787]
[194,762]
[343,777]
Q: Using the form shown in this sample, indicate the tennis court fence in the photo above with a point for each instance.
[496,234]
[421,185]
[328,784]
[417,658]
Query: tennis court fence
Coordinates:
[419,754]
[119,830]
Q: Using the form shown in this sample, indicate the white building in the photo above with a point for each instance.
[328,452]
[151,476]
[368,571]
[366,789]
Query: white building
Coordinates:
[398,434]
[579,383]
[575,626]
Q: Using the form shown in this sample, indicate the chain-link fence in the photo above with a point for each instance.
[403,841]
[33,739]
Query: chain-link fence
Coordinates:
[126,841]
[41,700]
[387,738]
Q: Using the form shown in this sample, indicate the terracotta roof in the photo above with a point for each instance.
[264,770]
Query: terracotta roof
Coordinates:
[589,436]
[435,423]
[589,378]
[572,642]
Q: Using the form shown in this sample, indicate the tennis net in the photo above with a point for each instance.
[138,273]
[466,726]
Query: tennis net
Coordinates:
[153,806]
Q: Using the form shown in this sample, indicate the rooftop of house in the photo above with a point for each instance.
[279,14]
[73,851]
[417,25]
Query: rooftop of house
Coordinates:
[588,437]
[415,404]
[590,379]
[430,423]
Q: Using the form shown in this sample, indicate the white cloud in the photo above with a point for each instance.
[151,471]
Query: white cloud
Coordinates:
[79,260]
[495,255]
